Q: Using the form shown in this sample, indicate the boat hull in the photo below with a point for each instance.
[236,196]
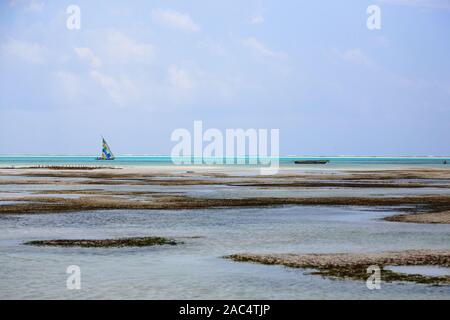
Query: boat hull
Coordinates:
[312,161]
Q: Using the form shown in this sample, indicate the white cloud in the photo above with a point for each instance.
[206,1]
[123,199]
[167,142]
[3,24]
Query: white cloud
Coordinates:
[30,52]
[175,20]
[124,48]
[70,83]
[121,91]
[431,4]
[382,41]
[35,6]
[179,78]
[215,48]
[28,5]
[356,56]
[257,19]
[260,48]
[87,54]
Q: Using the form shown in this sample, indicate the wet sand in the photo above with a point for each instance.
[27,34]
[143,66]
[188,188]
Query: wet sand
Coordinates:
[419,208]
[354,265]
[429,217]
[41,204]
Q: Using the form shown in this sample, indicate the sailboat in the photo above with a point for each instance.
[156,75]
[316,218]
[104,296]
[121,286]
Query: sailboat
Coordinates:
[106,151]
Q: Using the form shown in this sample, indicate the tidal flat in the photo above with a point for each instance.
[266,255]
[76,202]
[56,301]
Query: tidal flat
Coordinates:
[355,265]
[221,212]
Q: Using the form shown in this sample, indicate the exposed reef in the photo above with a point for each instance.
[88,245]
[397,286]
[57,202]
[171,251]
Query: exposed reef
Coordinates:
[354,265]
[106,243]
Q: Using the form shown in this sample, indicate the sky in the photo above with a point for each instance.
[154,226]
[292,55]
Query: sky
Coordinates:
[137,70]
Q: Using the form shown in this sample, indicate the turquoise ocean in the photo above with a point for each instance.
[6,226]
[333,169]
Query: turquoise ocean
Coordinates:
[154,160]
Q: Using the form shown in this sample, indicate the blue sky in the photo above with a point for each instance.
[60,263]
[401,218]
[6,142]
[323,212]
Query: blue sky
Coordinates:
[137,70]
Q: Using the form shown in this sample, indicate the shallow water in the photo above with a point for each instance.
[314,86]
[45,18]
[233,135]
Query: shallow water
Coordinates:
[195,269]
[336,163]
[432,271]
[222,191]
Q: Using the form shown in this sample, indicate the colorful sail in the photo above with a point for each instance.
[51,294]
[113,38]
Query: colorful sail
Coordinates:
[106,151]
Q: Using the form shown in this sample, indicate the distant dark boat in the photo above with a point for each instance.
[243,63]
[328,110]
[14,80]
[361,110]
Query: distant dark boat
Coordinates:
[106,151]
[312,161]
